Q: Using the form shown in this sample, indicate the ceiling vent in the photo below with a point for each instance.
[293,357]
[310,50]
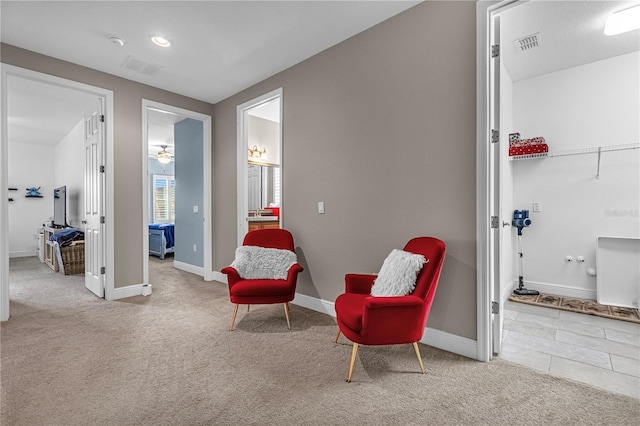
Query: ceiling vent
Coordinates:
[526,43]
[140,66]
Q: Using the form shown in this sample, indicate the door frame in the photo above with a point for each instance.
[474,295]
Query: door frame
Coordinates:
[486,173]
[243,164]
[7,70]
[207,196]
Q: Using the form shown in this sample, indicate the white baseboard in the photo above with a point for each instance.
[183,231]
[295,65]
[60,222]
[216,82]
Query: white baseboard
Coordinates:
[450,343]
[508,291]
[315,304]
[128,291]
[26,253]
[560,290]
[436,338]
[197,270]
[218,276]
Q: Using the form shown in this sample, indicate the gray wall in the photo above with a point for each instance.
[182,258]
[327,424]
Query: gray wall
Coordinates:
[189,190]
[128,195]
[382,129]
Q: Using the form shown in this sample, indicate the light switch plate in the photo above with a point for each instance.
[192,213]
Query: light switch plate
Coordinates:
[321,207]
[195,209]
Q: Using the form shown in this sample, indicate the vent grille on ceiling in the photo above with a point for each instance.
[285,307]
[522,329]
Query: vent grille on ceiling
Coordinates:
[526,43]
[143,67]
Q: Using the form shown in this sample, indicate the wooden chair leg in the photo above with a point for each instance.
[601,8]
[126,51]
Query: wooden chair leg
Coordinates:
[338,335]
[248,306]
[354,352]
[415,346]
[286,313]
[233,319]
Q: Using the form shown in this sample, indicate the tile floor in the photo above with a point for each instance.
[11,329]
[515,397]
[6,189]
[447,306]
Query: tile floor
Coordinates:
[598,351]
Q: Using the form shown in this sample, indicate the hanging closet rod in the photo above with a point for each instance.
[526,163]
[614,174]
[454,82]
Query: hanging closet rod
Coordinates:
[595,150]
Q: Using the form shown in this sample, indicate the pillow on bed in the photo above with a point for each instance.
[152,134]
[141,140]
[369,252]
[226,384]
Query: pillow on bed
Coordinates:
[254,262]
[398,274]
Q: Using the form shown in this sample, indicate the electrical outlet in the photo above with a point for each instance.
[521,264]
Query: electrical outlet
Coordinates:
[195,209]
[537,206]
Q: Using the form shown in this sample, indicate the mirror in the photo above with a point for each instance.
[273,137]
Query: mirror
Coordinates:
[263,170]
[263,189]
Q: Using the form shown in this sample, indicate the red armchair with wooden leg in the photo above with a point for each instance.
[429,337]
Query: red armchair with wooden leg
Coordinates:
[390,320]
[262,289]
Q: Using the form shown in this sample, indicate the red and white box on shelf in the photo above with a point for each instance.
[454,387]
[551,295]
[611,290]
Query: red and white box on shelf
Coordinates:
[519,146]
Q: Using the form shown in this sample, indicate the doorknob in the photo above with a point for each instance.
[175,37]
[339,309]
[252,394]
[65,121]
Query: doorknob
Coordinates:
[505,223]
[84,222]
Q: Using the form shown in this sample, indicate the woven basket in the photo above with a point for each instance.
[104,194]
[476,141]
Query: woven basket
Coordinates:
[73,258]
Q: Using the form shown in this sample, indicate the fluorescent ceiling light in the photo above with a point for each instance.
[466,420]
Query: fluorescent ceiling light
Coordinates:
[623,21]
[161,41]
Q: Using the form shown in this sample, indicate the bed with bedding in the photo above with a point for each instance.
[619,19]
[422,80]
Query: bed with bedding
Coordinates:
[161,239]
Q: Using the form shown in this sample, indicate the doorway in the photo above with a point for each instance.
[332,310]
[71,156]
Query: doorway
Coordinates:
[581,85]
[11,79]
[260,163]
[159,123]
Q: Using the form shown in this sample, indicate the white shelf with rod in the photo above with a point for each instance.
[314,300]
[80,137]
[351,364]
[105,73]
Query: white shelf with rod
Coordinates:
[595,150]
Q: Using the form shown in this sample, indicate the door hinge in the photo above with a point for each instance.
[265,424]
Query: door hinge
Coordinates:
[103,270]
[495,50]
[101,169]
[494,221]
[101,219]
[495,308]
[102,118]
[495,136]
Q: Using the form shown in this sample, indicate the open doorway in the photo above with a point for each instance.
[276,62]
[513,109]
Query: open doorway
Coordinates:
[571,84]
[176,195]
[260,168]
[44,135]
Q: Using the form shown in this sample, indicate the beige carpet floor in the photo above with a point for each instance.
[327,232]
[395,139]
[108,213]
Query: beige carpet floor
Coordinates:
[68,358]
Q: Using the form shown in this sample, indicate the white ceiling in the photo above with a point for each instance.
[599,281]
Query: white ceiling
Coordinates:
[570,34]
[220,48]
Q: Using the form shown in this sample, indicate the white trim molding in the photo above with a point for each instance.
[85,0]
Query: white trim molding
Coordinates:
[432,337]
[197,270]
[218,276]
[560,290]
[127,291]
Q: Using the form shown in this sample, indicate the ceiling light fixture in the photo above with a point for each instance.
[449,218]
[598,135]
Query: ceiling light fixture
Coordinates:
[623,21]
[164,156]
[160,41]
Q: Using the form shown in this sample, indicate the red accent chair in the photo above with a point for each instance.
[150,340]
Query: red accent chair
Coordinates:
[369,320]
[264,291]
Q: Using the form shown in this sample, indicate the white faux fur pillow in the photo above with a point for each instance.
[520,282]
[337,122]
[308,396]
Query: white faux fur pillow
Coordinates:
[398,274]
[254,262]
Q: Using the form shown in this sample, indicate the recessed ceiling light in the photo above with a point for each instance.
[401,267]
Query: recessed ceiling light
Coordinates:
[623,21]
[161,41]
[117,41]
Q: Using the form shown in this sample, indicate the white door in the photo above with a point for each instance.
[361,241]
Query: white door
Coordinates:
[494,190]
[254,187]
[93,200]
